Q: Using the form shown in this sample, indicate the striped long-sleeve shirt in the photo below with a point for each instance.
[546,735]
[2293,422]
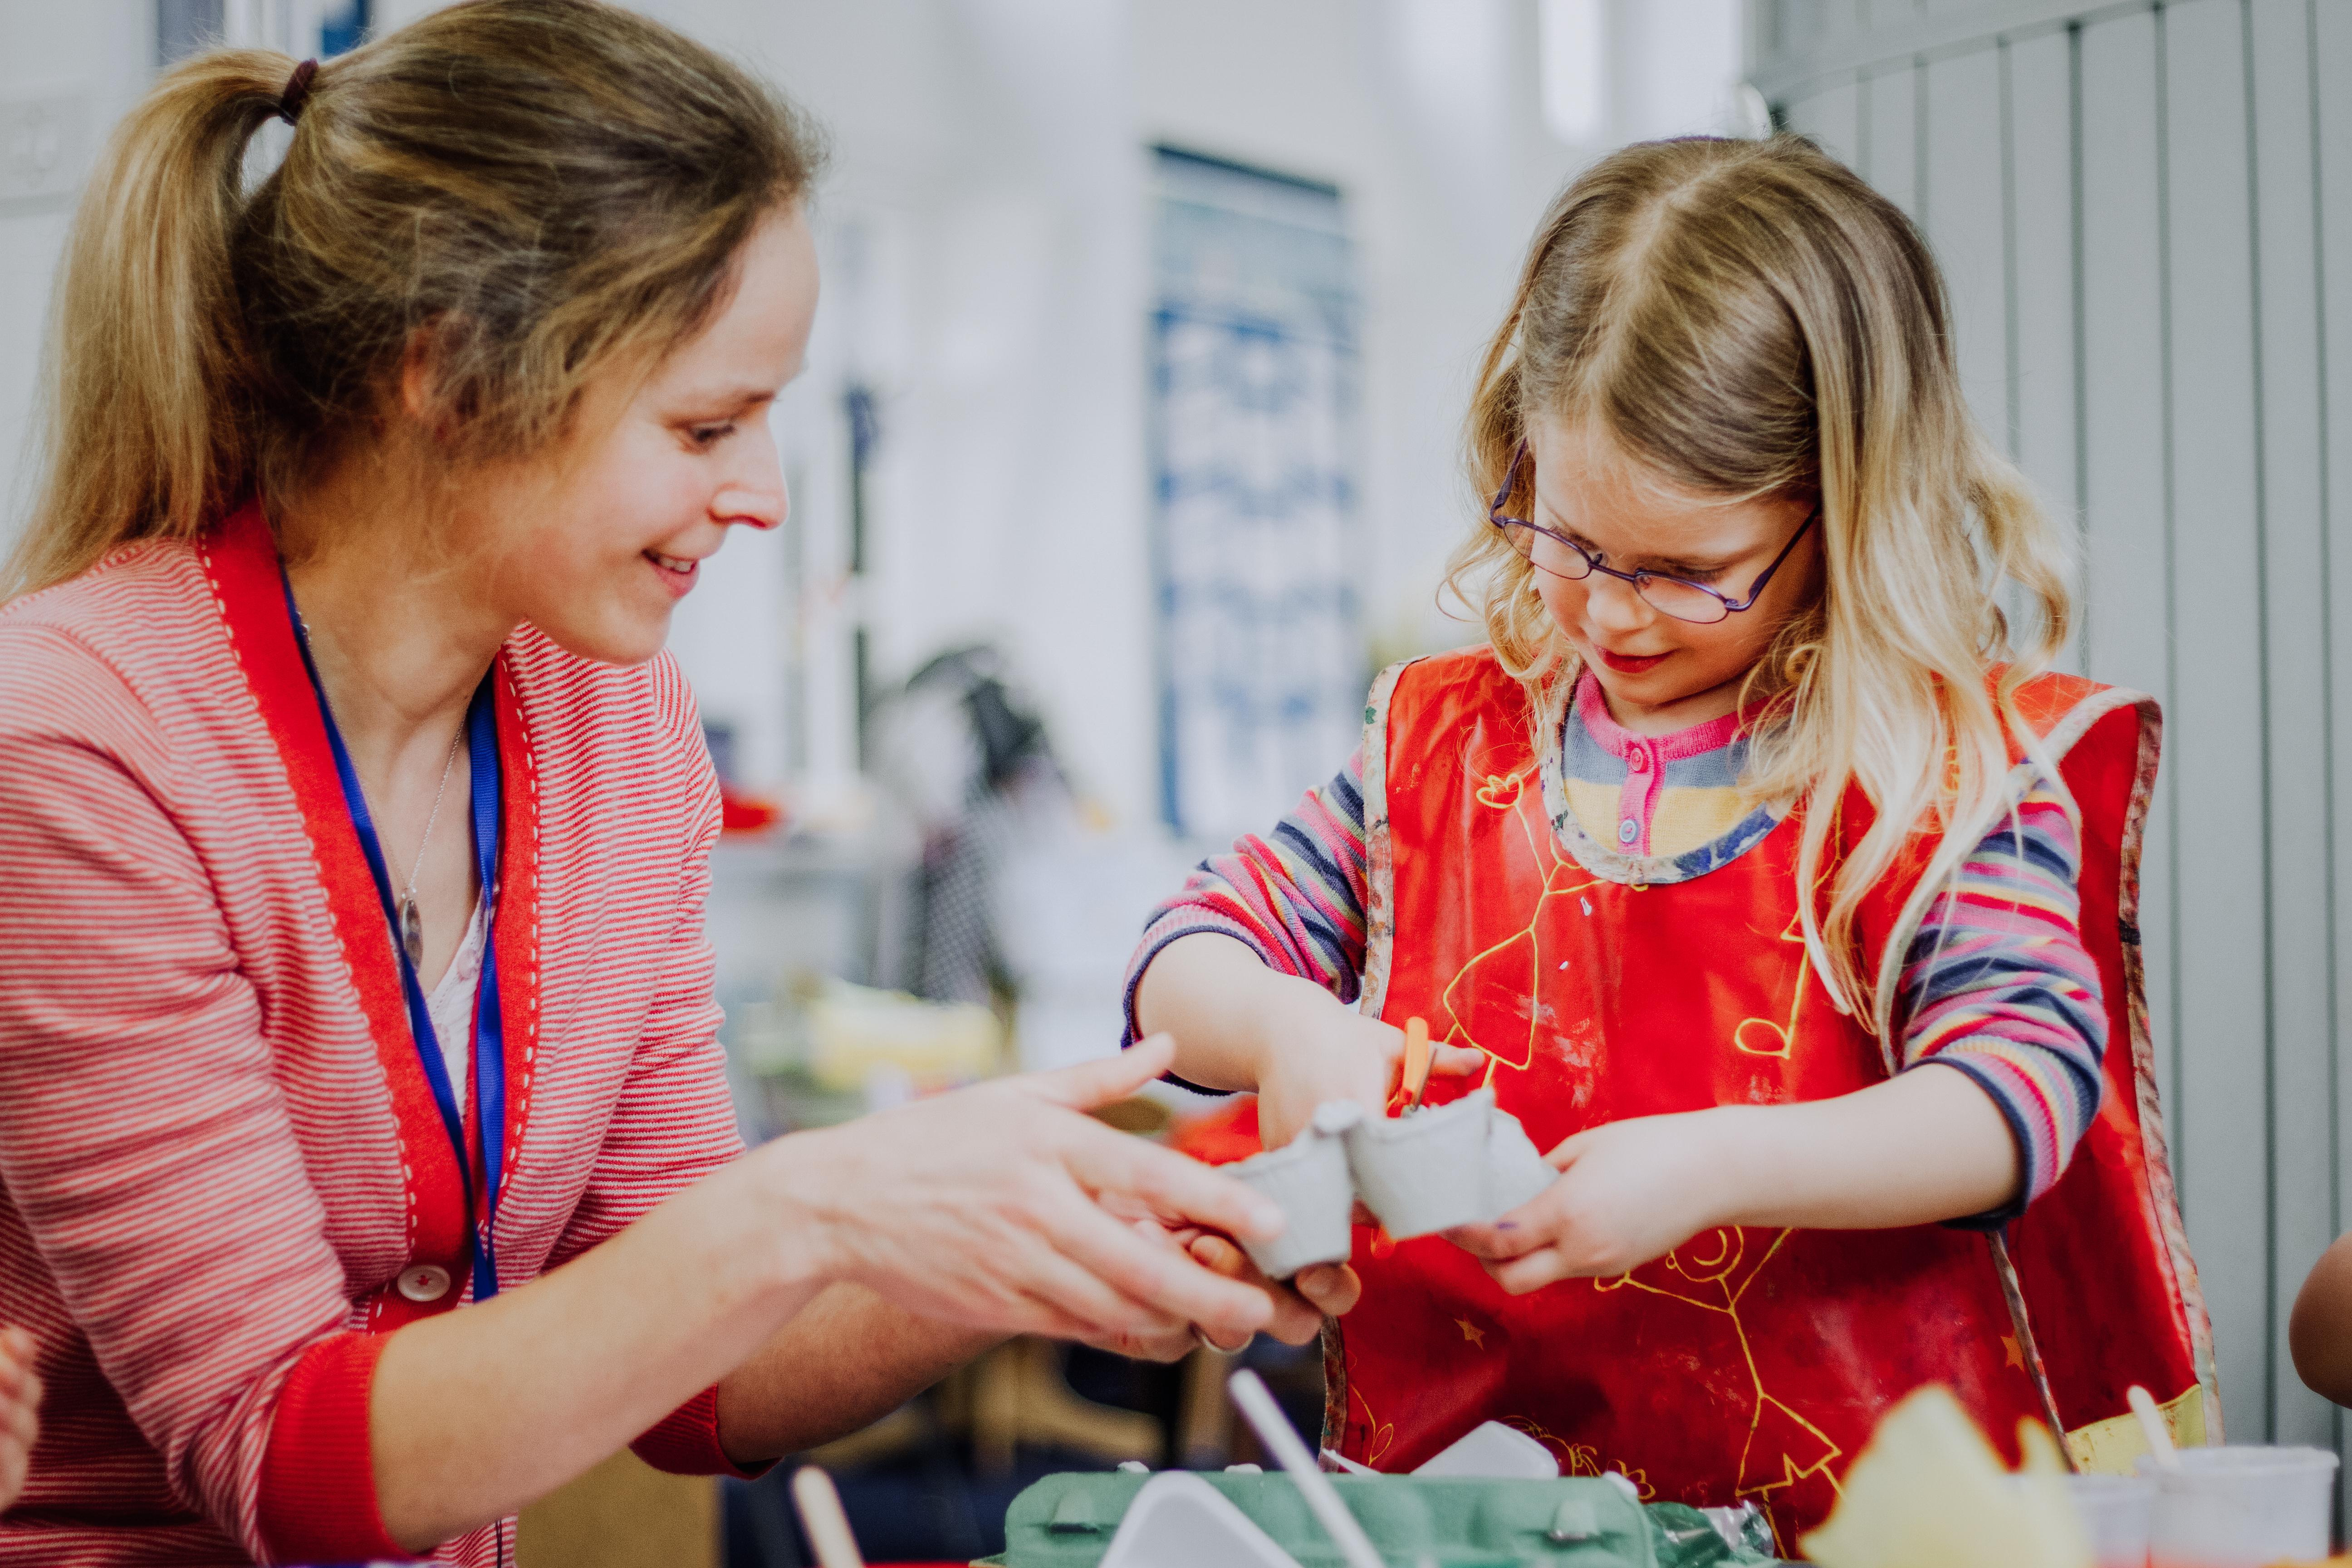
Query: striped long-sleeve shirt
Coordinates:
[222,1177]
[1995,984]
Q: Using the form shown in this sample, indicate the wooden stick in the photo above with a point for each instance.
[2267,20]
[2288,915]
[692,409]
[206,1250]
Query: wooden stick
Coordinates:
[2151,1424]
[1274,1430]
[821,1516]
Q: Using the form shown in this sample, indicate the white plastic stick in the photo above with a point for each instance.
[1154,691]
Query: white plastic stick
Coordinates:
[822,1517]
[2151,1422]
[1274,1430]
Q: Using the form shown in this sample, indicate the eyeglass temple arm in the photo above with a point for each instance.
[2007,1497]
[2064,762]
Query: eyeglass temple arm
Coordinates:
[1757,587]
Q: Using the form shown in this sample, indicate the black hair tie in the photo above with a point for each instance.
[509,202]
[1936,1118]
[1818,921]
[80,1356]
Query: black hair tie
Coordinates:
[297,92]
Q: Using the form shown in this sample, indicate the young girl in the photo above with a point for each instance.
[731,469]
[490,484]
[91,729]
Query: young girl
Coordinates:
[1794,921]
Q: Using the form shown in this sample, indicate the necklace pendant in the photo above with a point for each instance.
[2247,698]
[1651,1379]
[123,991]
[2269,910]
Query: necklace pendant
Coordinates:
[411,933]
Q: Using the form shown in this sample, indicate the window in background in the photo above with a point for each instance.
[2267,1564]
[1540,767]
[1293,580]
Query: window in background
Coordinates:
[323,29]
[1254,346]
[1572,46]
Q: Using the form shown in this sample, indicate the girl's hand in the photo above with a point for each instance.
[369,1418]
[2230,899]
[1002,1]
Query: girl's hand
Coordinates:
[1004,1207]
[20,1403]
[1324,1049]
[1328,1290]
[1628,1192]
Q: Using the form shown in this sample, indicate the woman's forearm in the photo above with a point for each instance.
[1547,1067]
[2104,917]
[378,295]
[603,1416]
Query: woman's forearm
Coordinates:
[476,1413]
[1925,1146]
[1001,1207]
[1223,1005]
[846,1360]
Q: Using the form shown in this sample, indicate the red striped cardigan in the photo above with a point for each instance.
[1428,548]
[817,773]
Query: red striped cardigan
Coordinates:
[217,1149]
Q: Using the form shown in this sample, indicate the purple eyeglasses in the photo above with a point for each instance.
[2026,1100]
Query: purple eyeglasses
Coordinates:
[1678,596]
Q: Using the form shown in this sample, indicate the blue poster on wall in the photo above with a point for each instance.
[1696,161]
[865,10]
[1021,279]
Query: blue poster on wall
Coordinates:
[1254,357]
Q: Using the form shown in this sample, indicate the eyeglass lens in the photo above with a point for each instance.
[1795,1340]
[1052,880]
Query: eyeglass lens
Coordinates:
[1667,595]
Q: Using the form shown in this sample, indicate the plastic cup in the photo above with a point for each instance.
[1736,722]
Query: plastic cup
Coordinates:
[2240,1508]
[2117,1512]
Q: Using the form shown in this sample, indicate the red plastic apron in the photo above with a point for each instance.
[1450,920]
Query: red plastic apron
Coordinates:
[1750,1364]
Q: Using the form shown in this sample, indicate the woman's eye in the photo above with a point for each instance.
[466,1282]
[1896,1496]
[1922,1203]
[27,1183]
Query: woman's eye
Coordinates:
[707,436]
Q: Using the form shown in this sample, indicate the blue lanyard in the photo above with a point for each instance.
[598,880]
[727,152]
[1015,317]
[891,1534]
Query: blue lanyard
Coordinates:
[490,1035]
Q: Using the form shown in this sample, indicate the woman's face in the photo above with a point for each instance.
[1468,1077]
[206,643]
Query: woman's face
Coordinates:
[597,542]
[1660,673]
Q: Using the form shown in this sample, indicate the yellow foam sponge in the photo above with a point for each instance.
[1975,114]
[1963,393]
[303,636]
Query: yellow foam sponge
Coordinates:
[1928,1491]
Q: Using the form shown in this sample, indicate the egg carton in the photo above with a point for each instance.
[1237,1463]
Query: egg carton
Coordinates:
[1242,1519]
[1465,1163]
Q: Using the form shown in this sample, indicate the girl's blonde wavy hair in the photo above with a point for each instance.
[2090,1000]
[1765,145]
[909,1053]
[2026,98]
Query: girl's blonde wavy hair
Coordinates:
[538,190]
[1747,320]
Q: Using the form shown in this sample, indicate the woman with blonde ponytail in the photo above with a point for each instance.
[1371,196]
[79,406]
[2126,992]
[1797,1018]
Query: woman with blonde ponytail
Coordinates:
[1755,864]
[367,1166]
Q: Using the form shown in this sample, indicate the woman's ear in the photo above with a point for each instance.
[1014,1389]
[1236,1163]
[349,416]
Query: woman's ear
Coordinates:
[431,391]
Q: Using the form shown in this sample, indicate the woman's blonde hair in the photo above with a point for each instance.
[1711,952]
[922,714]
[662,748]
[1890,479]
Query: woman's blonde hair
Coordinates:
[1750,320]
[534,190]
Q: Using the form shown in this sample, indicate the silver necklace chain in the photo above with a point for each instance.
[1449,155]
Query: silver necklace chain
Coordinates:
[411,921]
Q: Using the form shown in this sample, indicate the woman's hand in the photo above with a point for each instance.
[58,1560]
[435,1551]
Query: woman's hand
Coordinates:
[1628,1192]
[1004,1207]
[20,1403]
[1328,1290]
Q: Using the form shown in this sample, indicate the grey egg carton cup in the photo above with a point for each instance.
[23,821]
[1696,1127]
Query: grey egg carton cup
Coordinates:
[1464,1163]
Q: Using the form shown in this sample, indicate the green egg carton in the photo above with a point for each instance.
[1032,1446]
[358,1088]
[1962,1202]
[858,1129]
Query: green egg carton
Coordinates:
[1068,1521]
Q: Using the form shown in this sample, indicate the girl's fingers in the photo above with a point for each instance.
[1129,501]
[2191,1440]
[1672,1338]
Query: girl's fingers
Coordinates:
[1491,1243]
[1456,1061]
[1565,1152]
[1331,1289]
[1532,1272]
[1295,1320]
[1218,1255]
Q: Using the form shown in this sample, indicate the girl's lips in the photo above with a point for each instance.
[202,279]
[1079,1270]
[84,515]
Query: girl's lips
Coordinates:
[1626,664]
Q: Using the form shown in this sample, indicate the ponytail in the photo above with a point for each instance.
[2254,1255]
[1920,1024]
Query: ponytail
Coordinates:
[541,190]
[146,347]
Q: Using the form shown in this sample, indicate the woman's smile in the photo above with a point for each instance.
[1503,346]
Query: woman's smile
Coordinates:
[678,573]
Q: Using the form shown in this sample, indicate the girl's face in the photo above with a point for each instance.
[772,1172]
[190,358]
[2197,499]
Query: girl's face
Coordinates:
[1662,674]
[597,542]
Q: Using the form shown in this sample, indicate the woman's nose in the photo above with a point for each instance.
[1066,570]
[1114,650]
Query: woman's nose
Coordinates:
[754,494]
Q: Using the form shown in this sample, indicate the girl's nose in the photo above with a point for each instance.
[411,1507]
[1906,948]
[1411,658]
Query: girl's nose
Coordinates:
[1612,605]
